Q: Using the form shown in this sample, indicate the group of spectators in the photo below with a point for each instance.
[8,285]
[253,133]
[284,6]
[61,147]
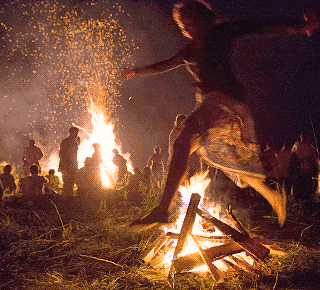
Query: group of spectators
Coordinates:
[294,169]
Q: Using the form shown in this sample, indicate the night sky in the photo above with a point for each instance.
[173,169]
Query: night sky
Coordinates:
[281,78]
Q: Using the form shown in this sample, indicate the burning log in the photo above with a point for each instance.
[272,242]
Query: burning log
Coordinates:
[194,260]
[251,246]
[186,226]
[225,253]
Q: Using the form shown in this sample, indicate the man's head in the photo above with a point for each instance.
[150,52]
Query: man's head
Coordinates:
[7,169]
[32,142]
[194,17]
[157,150]
[96,146]
[115,151]
[34,169]
[73,131]
[51,172]
[304,136]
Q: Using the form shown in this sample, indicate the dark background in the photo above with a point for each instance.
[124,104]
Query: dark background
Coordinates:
[281,77]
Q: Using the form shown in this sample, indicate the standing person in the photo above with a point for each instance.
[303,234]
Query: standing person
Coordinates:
[7,179]
[221,117]
[156,165]
[68,165]
[284,158]
[176,130]
[304,185]
[146,178]
[96,160]
[270,165]
[31,155]
[121,163]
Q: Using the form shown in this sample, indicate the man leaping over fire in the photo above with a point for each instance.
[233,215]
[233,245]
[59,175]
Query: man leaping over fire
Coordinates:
[221,127]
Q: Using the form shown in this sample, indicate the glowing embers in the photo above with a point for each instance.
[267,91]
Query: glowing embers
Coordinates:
[102,133]
[220,255]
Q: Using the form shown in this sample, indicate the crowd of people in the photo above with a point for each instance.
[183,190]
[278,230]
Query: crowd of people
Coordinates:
[294,169]
[220,132]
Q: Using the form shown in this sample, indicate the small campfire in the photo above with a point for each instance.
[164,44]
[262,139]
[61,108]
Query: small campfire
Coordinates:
[221,250]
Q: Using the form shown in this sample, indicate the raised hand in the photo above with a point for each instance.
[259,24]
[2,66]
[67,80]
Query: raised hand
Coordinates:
[311,24]
[127,73]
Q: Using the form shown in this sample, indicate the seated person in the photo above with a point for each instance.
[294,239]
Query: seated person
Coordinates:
[53,182]
[7,179]
[34,184]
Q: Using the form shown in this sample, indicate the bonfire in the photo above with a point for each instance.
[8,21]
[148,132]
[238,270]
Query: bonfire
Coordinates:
[199,242]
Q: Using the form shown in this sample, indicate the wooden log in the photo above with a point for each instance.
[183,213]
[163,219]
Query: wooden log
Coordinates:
[253,247]
[186,226]
[159,258]
[204,238]
[223,227]
[256,249]
[214,270]
[152,249]
[194,260]
[231,266]
[243,264]
[236,221]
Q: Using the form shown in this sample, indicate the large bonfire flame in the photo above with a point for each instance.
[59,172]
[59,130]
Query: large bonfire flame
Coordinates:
[102,133]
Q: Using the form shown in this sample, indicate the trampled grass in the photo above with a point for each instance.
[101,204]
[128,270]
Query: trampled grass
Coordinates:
[66,243]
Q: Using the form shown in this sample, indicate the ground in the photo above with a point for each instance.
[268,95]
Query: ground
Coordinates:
[68,243]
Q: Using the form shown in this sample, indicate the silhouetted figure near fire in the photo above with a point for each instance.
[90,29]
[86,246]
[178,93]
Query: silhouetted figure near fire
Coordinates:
[96,160]
[284,175]
[270,164]
[306,173]
[155,163]
[146,178]
[68,165]
[33,185]
[86,182]
[31,155]
[53,182]
[121,163]
[176,130]
[221,127]
[134,194]
[7,180]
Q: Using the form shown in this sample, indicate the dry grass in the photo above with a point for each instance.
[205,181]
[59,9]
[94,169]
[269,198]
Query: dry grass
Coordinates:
[58,243]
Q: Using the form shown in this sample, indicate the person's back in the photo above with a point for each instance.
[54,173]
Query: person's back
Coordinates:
[134,180]
[33,185]
[307,156]
[283,157]
[7,179]
[121,163]
[31,155]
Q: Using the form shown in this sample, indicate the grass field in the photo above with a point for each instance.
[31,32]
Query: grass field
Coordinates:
[66,243]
